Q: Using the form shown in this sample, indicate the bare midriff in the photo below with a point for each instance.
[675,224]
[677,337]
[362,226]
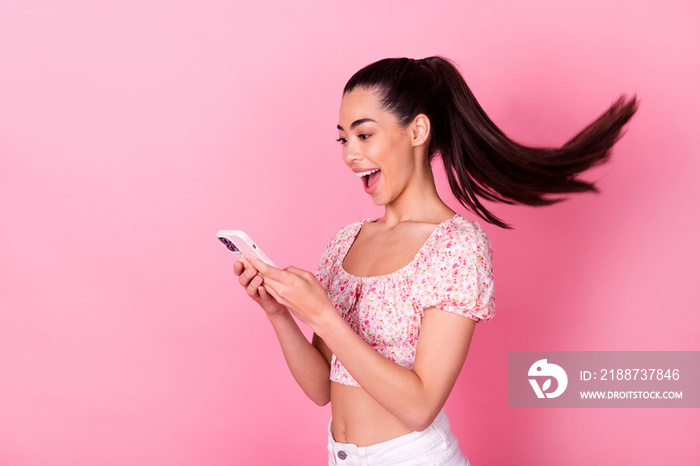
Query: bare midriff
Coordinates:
[360,420]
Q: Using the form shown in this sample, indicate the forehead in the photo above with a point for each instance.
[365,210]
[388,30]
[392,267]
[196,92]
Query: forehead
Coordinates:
[361,103]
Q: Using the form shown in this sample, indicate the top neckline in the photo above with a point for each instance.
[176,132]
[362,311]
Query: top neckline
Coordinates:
[351,240]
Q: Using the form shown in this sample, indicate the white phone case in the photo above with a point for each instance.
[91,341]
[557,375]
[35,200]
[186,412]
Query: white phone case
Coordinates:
[240,244]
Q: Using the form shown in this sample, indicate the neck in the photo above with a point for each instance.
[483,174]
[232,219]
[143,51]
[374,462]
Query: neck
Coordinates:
[419,202]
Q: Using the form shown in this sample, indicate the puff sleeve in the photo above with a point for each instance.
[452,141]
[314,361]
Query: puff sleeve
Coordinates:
[458,276]
[326,264]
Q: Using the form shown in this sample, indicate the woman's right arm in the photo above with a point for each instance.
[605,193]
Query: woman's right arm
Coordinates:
[308,362]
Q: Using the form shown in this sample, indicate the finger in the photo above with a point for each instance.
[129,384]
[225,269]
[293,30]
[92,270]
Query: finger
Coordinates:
[238,268]
[265,269]
[245,262]
[252,288]
[247,275]
[263,293]
[244,279]
[271,291]
[299,272]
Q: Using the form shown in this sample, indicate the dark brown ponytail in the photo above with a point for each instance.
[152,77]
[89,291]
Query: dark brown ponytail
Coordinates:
[480,160]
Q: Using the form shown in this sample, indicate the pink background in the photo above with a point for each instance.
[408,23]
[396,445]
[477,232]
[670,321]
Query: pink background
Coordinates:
[131,132]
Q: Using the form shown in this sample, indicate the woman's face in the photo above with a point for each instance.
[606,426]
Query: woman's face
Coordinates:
[376,147]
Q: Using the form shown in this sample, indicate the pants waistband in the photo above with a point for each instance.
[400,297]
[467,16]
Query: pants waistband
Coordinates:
[437,440]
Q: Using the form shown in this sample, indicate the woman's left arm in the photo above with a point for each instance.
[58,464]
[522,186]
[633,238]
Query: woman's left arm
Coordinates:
[413,396]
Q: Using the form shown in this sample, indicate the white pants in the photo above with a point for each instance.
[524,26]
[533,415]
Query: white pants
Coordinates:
[436,445]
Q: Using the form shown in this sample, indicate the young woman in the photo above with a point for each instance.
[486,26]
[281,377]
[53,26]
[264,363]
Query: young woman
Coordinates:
[395,300]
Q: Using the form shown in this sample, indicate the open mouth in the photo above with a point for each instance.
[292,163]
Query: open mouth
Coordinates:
[370,177]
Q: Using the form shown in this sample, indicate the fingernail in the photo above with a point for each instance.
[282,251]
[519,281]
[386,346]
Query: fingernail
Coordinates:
[257,279]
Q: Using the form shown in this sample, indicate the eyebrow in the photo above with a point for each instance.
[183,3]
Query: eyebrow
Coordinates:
[357,123]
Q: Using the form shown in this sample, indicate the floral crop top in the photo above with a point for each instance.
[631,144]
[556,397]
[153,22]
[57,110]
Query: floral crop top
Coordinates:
[451,271]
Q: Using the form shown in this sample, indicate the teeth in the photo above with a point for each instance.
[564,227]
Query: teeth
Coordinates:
[360,175]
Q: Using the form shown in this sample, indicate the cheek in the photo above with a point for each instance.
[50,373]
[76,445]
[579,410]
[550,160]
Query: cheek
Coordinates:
[378,152]
[401,156]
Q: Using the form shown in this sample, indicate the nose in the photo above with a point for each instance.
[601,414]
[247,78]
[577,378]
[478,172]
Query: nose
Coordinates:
[351,153]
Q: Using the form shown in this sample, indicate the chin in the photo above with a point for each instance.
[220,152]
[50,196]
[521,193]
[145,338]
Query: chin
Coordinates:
[380,201]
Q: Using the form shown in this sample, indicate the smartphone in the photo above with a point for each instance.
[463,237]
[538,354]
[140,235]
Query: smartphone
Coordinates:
[240,244]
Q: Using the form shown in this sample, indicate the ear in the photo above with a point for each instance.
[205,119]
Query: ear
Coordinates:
[420,130]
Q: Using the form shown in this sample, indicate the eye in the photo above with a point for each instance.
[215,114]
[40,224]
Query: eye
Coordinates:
[363,137]
[342,141]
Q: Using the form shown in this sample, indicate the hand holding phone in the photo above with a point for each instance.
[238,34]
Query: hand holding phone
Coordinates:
[240,245]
